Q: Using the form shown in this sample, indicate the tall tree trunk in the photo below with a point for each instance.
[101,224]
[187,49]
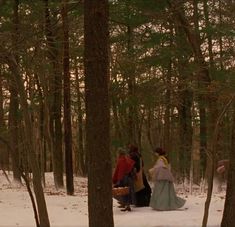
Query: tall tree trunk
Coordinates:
[81,158]
[42,124]
[149,123]
[211,154]
[4,159]
[167,129]
[203,135]
[67,102]
[212,68]
[186,132]
[130,73]
[55,101]
[184,108]
[228,219]
[14,103]
[96,36]
[13,130]
[201,100]
[213,124]
[58,151]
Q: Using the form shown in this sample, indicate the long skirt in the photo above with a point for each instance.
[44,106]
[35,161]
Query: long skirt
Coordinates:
[127,181]
[143,196]
[164,196]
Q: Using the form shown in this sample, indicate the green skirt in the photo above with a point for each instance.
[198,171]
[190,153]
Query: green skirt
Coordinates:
[164,196]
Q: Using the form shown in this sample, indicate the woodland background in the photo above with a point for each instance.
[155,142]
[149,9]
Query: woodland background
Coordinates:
[165,74]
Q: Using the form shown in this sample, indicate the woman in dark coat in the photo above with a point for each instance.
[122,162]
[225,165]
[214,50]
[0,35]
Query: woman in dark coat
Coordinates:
[141,185]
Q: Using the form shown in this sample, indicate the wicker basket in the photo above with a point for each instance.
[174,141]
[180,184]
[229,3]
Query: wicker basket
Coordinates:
[120,191]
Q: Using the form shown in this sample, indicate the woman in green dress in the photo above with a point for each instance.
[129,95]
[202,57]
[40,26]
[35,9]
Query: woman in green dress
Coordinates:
[164,196]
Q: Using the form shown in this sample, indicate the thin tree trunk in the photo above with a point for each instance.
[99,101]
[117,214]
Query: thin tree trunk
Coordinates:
[4,159]
[130,73]
[211,63]
[30,143]
[184,107]
[203,136]
[47,142]
[211,159]
[166,140]
[14,103]
[149,122]
[186,132]
[201,100]
[81,157]
[41,130]
[67,102]
[26,182]
[55,101]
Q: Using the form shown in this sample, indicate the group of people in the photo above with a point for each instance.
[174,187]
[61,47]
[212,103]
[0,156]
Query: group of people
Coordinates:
[129,172]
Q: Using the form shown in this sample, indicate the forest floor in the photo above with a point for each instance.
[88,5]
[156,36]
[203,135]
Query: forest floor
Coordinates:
[68,211]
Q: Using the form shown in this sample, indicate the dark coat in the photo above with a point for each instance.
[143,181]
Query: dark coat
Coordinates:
[142,197]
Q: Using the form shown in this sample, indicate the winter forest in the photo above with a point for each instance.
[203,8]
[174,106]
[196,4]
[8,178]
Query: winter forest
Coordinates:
[81,78]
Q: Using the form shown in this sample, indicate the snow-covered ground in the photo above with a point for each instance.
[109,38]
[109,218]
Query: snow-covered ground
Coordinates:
[66,211]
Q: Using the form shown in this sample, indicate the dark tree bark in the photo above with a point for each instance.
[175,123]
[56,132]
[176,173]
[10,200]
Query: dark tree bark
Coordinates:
[42,124]
[186,132]
[81,157]
[202,103]
[14,102]
[55,88]
[67,102]
[4,157]
[184,107]
[228,219]
[130,74]
[13,131]
[203,135]
[96,59]
[167,121]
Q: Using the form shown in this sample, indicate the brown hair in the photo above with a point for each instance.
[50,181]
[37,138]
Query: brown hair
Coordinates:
[160,151]
[133,148]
